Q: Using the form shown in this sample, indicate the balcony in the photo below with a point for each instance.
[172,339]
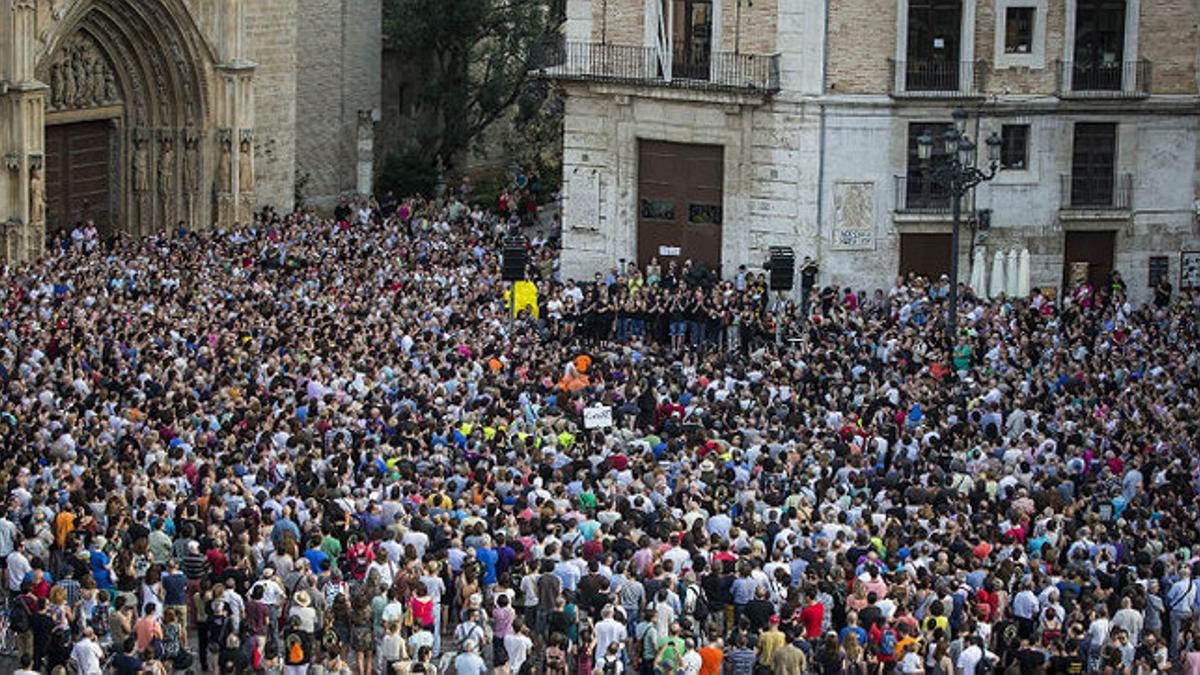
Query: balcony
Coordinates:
[1094,80]
[918,196]
[938,79]
[1088,196]
[633,65]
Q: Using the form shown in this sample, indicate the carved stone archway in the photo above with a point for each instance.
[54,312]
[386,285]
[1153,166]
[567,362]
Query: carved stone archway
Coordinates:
[142,68]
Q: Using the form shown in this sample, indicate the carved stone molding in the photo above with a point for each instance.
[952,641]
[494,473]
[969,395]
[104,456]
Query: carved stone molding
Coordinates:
[35,161]
[12,161]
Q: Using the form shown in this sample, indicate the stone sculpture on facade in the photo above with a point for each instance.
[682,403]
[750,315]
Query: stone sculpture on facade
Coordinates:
[37,197]
[166,181]
[81,77]
[246,166]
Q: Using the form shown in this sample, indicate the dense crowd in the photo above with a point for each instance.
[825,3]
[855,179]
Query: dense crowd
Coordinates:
[310,445]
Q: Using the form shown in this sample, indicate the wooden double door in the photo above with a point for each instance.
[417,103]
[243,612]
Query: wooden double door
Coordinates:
[680,202]
[79,175]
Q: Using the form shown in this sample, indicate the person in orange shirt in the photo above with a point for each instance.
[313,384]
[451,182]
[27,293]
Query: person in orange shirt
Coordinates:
[711,656]
[64,525]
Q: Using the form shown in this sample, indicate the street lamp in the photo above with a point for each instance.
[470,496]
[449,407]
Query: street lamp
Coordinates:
[958,174]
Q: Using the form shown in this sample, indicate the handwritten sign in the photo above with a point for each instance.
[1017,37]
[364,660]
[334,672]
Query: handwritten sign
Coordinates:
[599,417]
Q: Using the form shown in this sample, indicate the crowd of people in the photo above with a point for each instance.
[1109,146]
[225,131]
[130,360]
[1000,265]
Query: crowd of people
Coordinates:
[315,445]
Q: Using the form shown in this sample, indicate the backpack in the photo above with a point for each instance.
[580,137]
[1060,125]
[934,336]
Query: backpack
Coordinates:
[295,650]
[887,643]
[18,618]
[609,665]
[695,603]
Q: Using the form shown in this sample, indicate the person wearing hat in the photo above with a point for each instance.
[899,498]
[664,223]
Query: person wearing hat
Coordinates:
[302,612]
[770,640]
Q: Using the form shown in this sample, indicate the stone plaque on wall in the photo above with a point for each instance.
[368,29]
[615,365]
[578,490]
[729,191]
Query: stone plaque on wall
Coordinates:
[853,217]
[585,199]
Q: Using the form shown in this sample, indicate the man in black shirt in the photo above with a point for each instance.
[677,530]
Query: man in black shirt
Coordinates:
[1028,658]
[593,590]
[808,279]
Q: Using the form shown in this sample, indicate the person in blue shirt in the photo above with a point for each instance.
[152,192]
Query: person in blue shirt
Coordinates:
[487,557]
[315,556]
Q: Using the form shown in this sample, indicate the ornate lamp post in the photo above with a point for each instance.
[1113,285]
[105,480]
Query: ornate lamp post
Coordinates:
[959,175]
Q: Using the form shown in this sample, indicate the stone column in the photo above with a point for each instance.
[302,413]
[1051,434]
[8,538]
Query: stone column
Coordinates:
[366,152]
[235,118]
[22,138]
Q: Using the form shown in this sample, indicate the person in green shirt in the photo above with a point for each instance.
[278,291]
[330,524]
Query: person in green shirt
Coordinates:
[670,652]
[332,547]
[962,356]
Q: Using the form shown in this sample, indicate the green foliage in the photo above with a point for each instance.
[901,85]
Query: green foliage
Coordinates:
[488,187]
[476,56]
[409,173]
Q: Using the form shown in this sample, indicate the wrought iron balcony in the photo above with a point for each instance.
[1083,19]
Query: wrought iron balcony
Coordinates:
[1089,193]
[630,64]
[938,79]
[1079,79]
[919,195]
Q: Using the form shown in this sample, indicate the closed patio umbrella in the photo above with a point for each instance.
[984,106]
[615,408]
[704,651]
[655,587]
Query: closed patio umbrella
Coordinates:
[996,287]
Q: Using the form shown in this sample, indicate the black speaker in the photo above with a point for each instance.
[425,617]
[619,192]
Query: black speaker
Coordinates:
[514,259]
[782,268]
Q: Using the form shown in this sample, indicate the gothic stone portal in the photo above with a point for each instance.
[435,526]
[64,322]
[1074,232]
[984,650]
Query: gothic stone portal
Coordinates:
[126,118]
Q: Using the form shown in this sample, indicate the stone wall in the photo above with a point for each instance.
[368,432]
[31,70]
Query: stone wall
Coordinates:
[862,37]
[769,187]
[339,47]
[1170,39]
[270,41]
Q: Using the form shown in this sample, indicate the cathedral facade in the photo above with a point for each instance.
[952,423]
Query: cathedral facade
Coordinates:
[143,114]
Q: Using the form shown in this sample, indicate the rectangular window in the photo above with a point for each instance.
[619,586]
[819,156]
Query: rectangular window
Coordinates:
[934,28]
[1093,165]
[658,209]
[1018,30]
[921,192]
[1014,147]
[1159,266]
[704,214]
[1099,45]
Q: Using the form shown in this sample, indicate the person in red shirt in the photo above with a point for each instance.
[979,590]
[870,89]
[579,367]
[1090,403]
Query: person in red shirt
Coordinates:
[812,616]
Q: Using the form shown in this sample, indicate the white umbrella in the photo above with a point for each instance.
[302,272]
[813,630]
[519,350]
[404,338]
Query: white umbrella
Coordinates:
[1010,275]
[979,272]
[1023,275]
[997,285]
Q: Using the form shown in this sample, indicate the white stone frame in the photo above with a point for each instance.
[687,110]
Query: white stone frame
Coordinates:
[966,42]
[1036,58]
[1033,155]
[652,11]
[1132,20]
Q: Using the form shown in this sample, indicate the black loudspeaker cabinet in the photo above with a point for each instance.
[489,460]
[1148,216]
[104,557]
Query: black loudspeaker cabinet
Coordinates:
[782,268]
[514,259]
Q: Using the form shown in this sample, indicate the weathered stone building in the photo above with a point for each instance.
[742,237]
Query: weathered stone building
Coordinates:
[142,113]
[714,129]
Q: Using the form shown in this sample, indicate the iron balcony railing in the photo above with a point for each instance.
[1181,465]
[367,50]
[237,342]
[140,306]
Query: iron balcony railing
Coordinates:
[916,194]
[938,79]
[1109,193]
[629,64]
[1094,79]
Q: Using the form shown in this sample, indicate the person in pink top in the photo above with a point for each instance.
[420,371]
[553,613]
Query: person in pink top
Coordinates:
[147,629]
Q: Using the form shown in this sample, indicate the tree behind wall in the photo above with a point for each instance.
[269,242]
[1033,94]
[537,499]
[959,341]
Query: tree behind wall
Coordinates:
[476,61]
